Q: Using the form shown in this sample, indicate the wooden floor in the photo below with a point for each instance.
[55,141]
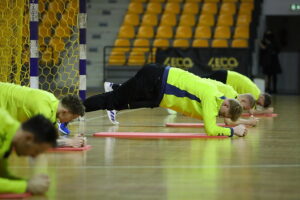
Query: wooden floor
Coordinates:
[264,165]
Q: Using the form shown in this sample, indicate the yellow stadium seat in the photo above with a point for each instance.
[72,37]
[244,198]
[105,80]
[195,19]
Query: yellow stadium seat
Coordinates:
[241,32]
[177,1]
[49,19]
[183,32]
[42,7]
[57,44]
[246,8]
[131,19]
[117,58]
[69,18]
[172,7]
[181,43]
[239,43]
[200,43]
[142,43]
[122,45]
[243,20]
[44,31]
[72,5]
[225,20]
[145,32]
[136,58]
[228,8]
[209,8]
[157,43]
[230,1]
[219,43]
[25,31]
[46,55]
[25,56]
[161,43]
[214,1]
[193,1]
[222,32]
[135,8]
[168,19]
[190,8]
[157,1]
[150,20]
[206,20]
[62,31]
[154,8]
[248,1]
[203,32]
[164,32]
[126,31]
[59,6]
[187,20]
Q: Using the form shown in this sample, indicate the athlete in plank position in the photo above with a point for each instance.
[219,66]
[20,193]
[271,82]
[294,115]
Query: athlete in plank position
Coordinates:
[157,86]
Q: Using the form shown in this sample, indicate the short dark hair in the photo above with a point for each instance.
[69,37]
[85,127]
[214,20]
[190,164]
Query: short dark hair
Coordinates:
[268,100]
[235,109]
[74,104]
[42,129]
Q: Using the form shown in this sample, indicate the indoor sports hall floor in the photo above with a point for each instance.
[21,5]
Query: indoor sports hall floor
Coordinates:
[264,165]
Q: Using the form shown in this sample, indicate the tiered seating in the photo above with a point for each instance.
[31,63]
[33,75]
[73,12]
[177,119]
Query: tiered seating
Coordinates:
[149,24]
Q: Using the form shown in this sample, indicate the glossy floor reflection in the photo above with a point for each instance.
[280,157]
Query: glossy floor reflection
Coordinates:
[263,165]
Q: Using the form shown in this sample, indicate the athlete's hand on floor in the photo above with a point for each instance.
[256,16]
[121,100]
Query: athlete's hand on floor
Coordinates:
[252,121]
[38,184]
[240,130]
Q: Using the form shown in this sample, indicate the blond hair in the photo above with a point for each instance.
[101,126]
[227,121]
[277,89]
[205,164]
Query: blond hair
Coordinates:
[235,109]
[250,99]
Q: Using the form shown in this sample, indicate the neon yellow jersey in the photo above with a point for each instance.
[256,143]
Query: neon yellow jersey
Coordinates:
[227,90]
[194,97]
[8,128]
[23,103]
[242,84]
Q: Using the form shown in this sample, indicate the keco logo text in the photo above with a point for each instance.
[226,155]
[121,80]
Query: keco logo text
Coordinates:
[179,62]
[223,63]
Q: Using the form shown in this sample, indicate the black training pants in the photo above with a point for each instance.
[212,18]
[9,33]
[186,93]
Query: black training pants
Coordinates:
[141,91]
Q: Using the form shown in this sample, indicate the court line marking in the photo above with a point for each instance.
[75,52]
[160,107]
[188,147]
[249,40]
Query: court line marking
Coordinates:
[102,116]
[168,167]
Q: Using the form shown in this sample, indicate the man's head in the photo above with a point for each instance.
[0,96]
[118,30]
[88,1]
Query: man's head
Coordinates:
[231,108]
[70,107]
[35,136]
[264,100]
[247,101]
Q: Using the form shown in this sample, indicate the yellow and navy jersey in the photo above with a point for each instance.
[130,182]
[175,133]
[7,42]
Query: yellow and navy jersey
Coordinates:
[242,84]
[193,96]
[227,90]
[23,102]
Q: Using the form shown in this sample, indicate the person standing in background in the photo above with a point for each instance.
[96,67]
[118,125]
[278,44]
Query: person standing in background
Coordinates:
[269,61]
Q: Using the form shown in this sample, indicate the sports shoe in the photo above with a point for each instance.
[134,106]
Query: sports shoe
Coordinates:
[108,86]
[112,114]
[62,127]
[171,112]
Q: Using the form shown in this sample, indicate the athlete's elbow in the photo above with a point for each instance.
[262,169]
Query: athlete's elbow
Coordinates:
[211,132]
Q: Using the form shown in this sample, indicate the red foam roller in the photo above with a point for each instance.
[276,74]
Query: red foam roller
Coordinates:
[154,135]
[193,125]
[59,149]
[260,115]
[14,196]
